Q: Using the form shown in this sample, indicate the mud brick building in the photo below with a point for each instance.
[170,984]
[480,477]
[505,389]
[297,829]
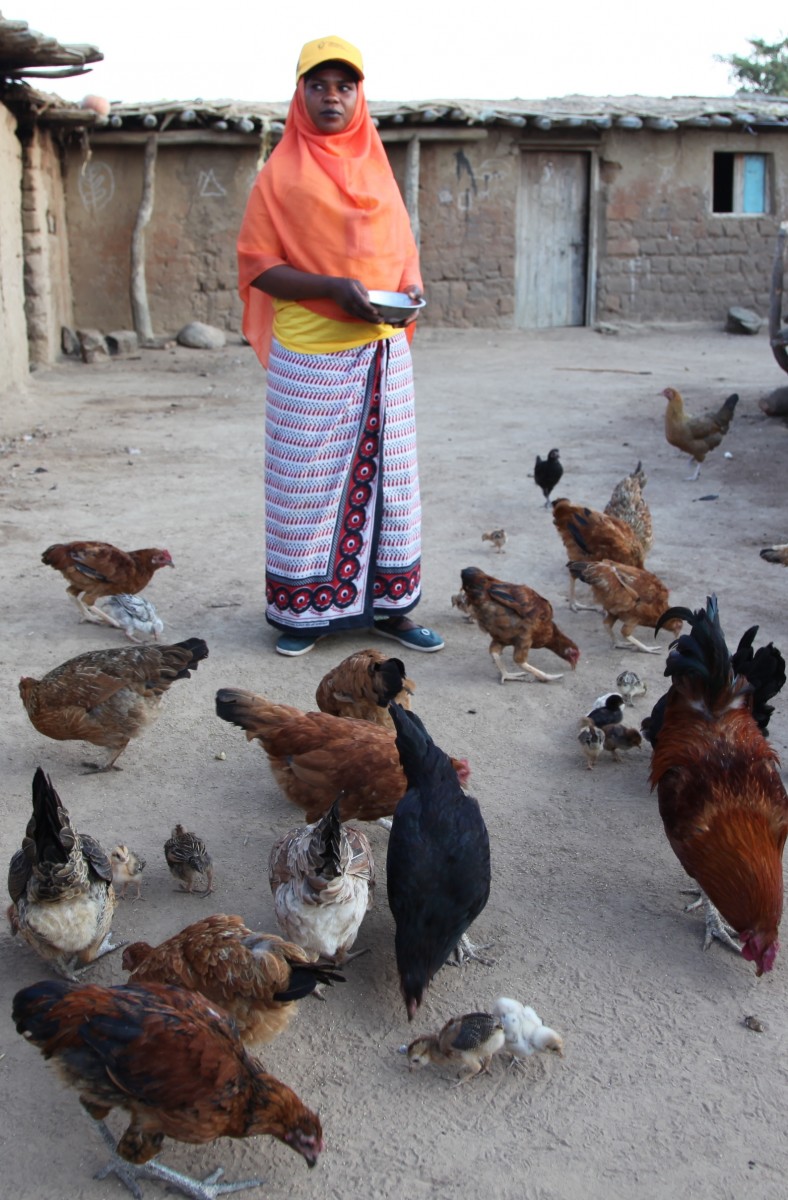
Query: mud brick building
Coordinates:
[530,213]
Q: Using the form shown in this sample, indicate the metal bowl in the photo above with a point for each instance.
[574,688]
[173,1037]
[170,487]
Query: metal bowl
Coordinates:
[394,306]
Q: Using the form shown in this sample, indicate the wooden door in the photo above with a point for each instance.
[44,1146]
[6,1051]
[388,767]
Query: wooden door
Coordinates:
[552,239]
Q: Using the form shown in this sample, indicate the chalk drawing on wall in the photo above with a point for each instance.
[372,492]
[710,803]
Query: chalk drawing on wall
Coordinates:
[96,185]
[208,184]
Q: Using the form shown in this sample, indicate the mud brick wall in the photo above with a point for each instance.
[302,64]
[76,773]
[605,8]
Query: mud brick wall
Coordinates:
[48,304]
[662,253]
[467,203]
[13,331]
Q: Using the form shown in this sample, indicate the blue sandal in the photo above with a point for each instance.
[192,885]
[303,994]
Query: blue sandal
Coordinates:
[419,638]
[292,644]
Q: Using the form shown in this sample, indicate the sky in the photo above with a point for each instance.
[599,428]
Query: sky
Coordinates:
[431,49]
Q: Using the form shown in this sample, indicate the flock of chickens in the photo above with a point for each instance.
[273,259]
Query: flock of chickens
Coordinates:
[218,989]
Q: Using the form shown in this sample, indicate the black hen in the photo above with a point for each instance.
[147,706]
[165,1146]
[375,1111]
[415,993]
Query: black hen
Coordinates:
[547,472]
[438,864]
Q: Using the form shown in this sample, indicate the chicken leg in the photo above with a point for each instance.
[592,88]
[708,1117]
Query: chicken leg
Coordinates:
[542,676]
[716,926]
[691,478]
[199,1189]
[91,614]
[465,951]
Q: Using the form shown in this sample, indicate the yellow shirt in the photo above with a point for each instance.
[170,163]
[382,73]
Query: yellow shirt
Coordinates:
[305,332]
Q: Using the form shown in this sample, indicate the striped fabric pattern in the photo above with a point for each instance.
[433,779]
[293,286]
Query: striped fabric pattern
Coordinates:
[343,514]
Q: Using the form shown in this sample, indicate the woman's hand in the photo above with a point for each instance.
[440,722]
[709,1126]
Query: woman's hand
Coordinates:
[353,298]
[414,291]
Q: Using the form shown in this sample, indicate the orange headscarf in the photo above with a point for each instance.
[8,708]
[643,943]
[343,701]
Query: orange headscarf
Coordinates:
[327,204]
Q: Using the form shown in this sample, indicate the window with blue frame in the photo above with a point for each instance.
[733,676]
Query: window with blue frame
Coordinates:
[741,183]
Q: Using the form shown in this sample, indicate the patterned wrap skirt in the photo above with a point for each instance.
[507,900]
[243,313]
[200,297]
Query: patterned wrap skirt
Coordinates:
[342,505]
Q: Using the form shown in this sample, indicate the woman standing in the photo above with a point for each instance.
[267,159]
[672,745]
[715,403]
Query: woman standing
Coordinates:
[325,222]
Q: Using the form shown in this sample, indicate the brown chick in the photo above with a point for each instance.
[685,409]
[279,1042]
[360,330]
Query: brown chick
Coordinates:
[108,697]
[497,537]
[363,685]
[628,505]
[460,601]
[175,1062]
[515,615]
[469,1041]
[620,737]
[696,436]
[592,741]
[96,569]
[60,884]
[322,878]
[188,859]
[627,595]
[127,867]
[589,536]
[255,977]
[315,756]
[776,554]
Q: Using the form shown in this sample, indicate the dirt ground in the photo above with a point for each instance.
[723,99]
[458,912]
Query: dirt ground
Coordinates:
[663,1091]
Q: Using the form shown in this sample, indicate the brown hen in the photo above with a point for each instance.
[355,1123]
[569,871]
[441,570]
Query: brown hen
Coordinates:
[628,505]
[96,569]
[315,756]
[175,1063]
[696,436]
[590,536]
[627,595]
[107,697]
[515,615]
[255,977]
[363,685]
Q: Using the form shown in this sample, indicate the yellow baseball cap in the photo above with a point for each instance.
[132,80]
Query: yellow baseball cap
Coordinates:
[329,49]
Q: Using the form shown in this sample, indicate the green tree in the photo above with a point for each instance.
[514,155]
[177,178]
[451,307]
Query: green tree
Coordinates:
[766,70]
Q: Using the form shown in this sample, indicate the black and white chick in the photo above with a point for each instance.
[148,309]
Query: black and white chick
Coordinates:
[608,709]
[134,615]
[630,685]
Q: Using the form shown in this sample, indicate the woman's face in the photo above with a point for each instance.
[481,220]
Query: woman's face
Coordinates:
[331,94]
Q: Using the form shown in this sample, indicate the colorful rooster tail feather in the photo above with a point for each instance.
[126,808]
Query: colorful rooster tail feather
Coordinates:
[701,654]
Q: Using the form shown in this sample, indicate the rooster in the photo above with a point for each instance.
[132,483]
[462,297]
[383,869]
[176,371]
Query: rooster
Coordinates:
[627,595]
[315,756]
[174,1061]
[107,697]
[438,863]
[322,878]
[547,474]
[721,797]
[696,436]
[60,884]
[255,977]
[96,569]
[363,685]
[591,536]
[515,615]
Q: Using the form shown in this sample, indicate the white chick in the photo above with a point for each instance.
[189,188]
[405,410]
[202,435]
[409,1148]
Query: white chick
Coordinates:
[524,1031]
[133,614]
[630,685]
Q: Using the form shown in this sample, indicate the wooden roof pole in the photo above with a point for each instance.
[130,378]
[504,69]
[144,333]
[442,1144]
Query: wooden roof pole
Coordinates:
[412,160]
[140,310]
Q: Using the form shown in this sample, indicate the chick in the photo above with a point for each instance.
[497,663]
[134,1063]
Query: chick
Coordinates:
[607,709]
[620,737]
[127,867]
[188,859]
[524,1032]
[460,600]
[630,685]
[592,741]
[469,1041]
[497,537]
[134,615]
